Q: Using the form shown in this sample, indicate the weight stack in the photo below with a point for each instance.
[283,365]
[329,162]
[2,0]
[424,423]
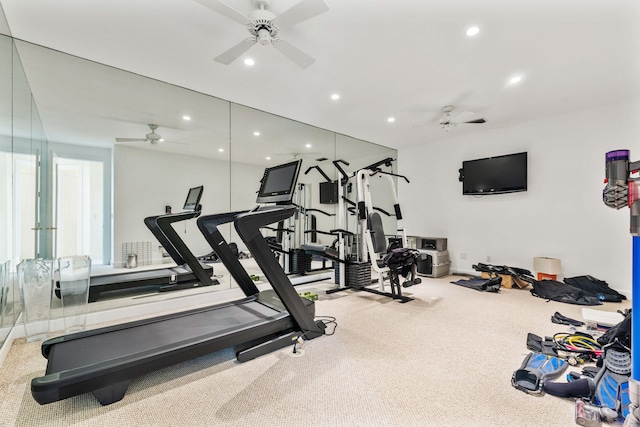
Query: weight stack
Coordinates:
[300,262]
[356,275]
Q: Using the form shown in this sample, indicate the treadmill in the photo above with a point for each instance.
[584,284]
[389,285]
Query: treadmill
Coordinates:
[104,361]
[187,273]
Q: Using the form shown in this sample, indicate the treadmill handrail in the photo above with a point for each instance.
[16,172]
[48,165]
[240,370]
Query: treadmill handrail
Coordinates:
[208,225]
[164,222]
[248,227]
[152,225]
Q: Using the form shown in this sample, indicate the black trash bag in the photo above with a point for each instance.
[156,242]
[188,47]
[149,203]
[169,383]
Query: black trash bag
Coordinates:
[562,292]
[592,286]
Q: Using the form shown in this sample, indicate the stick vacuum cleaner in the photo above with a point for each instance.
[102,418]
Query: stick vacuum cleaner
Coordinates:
[623,191]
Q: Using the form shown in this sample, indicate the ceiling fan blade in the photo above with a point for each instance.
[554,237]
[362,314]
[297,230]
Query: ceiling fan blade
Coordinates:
[130,140]
[293,53]
[172,142]
[300,12]
[234,53]
[476,121]
[226,10]
[462,116]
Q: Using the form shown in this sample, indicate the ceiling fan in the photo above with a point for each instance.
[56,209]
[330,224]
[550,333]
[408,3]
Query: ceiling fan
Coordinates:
[449,121]
[263,25]
[152,138]
[298,155]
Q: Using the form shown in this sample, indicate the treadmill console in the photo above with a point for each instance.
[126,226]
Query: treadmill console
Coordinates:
[193,199]
[279,183]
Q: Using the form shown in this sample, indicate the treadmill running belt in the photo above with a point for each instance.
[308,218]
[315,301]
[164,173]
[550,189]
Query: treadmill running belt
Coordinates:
[130,342]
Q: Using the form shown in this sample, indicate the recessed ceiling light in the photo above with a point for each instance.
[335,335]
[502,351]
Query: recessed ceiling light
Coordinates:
[256,133]
[335,96]
[221,150]
[268,158]
[249,62]
[186,117]
[308,145]
[515,79]
[472,31]
[391,119]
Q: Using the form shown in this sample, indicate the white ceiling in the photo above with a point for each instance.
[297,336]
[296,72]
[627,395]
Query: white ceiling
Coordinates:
[401,58]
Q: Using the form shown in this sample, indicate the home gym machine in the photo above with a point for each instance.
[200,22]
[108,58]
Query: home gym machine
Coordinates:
[623,191]
[353,270]
[390,259]
[297,231]
[103,361]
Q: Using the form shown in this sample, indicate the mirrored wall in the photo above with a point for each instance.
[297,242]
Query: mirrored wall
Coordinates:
[89,151]
[25,227]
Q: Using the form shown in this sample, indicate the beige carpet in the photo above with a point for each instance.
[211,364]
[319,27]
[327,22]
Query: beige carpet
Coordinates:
[444,359]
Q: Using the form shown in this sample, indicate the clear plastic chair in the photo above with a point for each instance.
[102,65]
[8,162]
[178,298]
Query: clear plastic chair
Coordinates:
[72,286]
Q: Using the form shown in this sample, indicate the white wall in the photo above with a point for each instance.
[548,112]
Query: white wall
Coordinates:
[561,215]
[145,181]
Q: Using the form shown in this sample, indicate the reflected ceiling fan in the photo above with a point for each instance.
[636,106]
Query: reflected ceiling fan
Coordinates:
[298,155]
[152,138]
[263,25]
[449,120]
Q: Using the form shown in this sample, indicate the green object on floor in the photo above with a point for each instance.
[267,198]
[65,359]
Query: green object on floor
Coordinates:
[254,277]
[309,296]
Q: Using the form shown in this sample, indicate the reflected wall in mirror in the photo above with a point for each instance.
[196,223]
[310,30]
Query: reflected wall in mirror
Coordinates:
[7,295]
[6,149]
[111,110]
[85,114]
[260,140]
[24,219]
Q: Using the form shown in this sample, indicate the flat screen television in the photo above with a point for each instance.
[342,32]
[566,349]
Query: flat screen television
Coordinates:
[329,192]
[495,175]
[279,183]
[193,198]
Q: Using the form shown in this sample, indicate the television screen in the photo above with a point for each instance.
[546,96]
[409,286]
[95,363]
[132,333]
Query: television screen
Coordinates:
[193,198]
[279,182]
[495,175]
[329,192]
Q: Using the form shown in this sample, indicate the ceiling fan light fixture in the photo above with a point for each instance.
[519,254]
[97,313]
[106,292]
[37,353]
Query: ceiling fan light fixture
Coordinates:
[263,36]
